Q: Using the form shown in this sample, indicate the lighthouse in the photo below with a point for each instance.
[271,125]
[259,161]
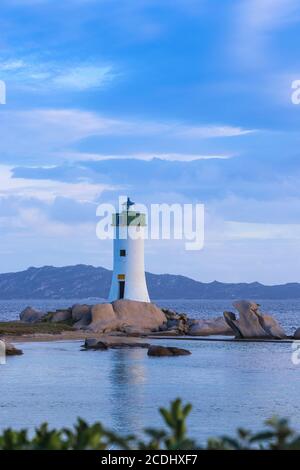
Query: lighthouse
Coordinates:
[128,279]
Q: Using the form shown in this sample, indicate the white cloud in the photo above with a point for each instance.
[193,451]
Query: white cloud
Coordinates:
[35,222]
[49,131]
[255,231]
[12,65]
[47,190]
[207,132]
[84,77]
[33,210]
[220,229]
[265,15]
[44,131]
[255,21]
[34,73]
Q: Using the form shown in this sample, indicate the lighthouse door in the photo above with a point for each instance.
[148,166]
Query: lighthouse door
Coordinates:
[121,289]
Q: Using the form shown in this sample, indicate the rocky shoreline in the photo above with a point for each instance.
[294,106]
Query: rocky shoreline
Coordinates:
[130,319]
[126,317]
[135,318]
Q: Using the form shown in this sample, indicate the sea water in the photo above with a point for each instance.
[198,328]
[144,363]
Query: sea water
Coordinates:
[229,384]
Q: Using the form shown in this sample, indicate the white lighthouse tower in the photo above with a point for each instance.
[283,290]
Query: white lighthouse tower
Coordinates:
[128,279]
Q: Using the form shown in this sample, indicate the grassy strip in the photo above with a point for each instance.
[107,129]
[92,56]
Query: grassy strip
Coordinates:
[18,329]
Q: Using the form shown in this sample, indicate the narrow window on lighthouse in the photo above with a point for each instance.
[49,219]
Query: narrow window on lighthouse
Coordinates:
[122,252]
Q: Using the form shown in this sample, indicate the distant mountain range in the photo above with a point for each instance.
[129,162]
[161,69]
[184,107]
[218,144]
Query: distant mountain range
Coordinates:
[82,281]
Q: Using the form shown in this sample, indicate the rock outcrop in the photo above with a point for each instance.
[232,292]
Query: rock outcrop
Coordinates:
[133,318]
[252,323]
[177,323]
[163,351]
[122,314]
[134,331]
[180,324]
[103,318]
[31,315]
[61,316]
[215,326]
[81,315]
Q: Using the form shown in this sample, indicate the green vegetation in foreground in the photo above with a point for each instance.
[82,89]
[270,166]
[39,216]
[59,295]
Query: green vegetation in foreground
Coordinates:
[18,328]
[277,436]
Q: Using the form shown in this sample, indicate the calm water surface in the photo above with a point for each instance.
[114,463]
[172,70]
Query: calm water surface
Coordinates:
[229,384]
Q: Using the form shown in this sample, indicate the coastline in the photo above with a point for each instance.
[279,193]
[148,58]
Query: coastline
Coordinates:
[127,321]
[80,335]
[69,336]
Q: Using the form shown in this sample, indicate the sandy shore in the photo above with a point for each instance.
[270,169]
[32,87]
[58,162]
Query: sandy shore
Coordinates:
[120,338]
[70,336]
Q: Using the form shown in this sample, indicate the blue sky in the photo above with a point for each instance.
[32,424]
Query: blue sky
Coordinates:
[167,101]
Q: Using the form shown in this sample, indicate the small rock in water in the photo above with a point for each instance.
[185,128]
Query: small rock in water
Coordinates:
[297,334]
[95,344]
[160,351]
[11,350]
[128,345]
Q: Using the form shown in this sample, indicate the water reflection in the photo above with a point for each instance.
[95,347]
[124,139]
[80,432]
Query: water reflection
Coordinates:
[127,380]
[229,384]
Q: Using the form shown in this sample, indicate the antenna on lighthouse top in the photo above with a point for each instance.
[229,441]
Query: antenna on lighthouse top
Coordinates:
[128,204]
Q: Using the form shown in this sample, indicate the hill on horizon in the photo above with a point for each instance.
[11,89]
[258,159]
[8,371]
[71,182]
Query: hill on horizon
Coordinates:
[84,281]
